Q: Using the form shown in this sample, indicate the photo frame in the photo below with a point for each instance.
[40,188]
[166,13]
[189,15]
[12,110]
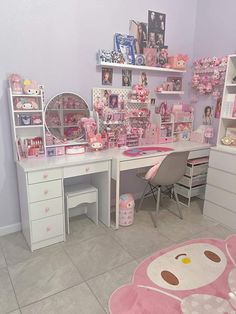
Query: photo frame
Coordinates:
[156,29]
[176,83]
[126,77]
[107,76]
[113,101]
[139,31]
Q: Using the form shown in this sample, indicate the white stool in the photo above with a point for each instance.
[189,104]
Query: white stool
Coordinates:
[80,194]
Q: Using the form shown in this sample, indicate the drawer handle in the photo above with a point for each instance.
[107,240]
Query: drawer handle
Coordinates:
[45,192]
[47,209]
[45,175]
[87,169]
[49,228]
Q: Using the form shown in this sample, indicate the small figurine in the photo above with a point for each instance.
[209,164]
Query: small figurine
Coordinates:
[31,87]
[15,84]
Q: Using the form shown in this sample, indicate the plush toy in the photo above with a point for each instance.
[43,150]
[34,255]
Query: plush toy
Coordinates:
[96,142]
[15,84]
[26,104]
[182,61]
[31,87]
[141,93]
[198,276]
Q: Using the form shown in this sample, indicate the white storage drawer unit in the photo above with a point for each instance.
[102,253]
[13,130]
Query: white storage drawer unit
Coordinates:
[220,199]
[45,190]
[44,175]
[46,208]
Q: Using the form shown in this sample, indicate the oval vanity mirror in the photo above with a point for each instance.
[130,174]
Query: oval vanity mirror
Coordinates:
[63,115]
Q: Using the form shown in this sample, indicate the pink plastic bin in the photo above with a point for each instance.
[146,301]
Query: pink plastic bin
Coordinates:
[126,208]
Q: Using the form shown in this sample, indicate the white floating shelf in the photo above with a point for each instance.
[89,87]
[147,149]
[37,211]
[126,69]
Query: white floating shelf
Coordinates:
[230,85]
[28,126]
[66,144]
[25,95]
[138,67]
[171,93]
[229,118]
[27,111]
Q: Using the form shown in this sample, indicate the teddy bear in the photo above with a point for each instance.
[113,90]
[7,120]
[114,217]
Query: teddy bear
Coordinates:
[198,276]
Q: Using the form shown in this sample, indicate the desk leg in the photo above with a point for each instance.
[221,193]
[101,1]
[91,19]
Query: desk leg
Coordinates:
[117,198]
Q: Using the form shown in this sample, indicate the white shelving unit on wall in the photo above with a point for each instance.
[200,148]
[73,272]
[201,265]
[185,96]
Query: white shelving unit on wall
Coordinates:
[220,197]
[27,119]
[228,109]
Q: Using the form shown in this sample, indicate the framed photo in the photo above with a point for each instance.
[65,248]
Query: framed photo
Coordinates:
[107,74]
[113,101]
[126,77]
[176,83]
[125,45]
[156,29]
[139,31]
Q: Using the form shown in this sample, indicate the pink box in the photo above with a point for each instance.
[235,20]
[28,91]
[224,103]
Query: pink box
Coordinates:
[60,150]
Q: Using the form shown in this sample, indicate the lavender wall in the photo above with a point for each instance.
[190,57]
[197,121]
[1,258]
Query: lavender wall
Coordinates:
[214,36]
[55,42]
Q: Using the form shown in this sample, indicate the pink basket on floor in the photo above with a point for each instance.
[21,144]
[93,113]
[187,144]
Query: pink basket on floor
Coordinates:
[126,209]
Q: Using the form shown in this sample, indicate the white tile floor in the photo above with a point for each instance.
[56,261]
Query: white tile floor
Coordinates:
[78,276]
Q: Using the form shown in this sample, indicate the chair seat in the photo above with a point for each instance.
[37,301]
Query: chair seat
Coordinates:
[78,189]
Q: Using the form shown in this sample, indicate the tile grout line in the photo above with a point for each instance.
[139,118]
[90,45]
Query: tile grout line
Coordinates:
[13,288]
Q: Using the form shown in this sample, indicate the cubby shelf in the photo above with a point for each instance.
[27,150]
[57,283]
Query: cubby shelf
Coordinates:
[26,95]
[170,93]
[28,126]
[138,67]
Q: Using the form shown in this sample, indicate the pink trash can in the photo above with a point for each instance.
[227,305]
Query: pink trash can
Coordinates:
[126,209]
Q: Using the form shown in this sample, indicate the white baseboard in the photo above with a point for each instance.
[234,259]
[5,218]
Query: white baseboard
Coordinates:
[10,229]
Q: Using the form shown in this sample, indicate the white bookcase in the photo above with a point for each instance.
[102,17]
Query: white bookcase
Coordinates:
[22,119]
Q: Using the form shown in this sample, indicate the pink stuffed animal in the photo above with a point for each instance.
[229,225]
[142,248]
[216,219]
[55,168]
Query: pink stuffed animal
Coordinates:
[31,87]
[96,142]
[15,84]
[141,93]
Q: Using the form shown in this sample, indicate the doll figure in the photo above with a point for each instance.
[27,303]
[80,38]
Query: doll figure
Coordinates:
[144,80]
[15,84]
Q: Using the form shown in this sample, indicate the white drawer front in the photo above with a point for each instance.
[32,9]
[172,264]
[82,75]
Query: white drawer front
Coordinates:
[221,179]
[81,170]
[44,175]
[221,197]
[186,192]
[44,191]
[139,163]
[47,228]
[198,180]
[223,161]
[76,200]
[46,208]
[199,153]
[220,214]
[196,170]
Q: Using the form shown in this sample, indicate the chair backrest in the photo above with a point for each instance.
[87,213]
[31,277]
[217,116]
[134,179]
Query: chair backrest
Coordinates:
[171,169]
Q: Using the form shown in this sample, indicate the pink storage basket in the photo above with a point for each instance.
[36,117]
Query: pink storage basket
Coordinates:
[126,205]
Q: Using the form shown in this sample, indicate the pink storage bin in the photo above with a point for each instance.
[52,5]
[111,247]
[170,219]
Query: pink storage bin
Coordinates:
[126,209]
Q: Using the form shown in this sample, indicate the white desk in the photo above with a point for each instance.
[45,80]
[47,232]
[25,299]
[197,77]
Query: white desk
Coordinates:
[41,187]
[41,192]
[120,162]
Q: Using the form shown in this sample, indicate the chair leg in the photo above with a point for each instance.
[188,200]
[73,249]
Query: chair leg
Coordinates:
[178,205]
[142,198]
[154,219]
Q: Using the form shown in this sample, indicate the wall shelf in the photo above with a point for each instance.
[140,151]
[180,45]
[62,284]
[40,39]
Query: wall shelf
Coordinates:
[170,93]
[138,67]
[28,126]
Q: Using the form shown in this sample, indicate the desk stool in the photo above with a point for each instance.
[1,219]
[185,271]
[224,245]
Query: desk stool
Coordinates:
[78,194]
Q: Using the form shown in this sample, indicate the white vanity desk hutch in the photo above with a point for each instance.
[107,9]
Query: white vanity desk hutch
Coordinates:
[41,192]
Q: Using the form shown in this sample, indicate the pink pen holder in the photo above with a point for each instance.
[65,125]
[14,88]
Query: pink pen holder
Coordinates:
[126,210]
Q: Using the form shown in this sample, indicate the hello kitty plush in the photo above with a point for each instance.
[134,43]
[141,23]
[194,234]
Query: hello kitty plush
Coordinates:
[198,276]
[126,207]
[31,87]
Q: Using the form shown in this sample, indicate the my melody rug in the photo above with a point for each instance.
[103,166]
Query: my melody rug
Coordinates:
[196,277]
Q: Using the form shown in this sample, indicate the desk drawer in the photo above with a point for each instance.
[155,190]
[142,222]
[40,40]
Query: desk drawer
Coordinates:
[44,191]
[221,197]
[46,208]
[47,228]
[197,170]
[44,175]
[139,163]
[81,170]
[222,179]
[223,161]
[199,153]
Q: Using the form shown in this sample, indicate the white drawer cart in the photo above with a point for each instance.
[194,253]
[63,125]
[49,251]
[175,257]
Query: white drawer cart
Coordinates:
[193,183]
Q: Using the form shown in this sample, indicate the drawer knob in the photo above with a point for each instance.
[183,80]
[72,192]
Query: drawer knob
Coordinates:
[87,169]
[47,209]
[45,175]
[45,192]
[49,228]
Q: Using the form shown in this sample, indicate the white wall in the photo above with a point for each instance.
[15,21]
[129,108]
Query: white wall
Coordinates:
[55,43]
